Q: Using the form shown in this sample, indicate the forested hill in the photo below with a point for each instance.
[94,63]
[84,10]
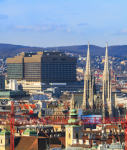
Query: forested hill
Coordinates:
[9,50]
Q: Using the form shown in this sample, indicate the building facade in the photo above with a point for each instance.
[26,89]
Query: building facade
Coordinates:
[45,67]
[73,129]
[2,81]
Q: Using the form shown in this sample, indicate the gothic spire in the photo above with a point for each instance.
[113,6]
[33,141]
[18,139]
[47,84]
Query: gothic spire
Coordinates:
[106,68]
[72,103]
[88,61]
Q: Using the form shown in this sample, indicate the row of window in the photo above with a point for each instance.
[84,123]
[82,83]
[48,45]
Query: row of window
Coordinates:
[15,64]
[43,63]
[59,68]
[32,77]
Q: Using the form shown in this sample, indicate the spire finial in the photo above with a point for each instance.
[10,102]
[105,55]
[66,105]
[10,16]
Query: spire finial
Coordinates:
[106,68]
[88,61]
[106,44]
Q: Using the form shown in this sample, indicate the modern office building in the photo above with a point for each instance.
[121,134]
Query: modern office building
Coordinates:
[2,81]
[45,67]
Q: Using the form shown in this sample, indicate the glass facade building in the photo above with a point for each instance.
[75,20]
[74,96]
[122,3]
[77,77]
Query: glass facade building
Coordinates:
[2,81]
[58,72]
[15,71]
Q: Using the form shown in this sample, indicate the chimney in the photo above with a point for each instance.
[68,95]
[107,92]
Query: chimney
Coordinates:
[80,141]
[87,142]
[74,141]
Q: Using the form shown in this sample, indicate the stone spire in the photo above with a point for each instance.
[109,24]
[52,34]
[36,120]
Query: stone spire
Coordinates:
[88,84]
[88,71]
[72,102]
[106,92]
[106,67]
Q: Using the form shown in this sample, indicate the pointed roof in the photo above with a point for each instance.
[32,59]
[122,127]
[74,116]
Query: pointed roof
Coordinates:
[88,71]
[73,118]
[106,67]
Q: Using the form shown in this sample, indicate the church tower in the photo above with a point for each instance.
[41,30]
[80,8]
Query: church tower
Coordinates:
[73,129]
[106,93]
[88,84]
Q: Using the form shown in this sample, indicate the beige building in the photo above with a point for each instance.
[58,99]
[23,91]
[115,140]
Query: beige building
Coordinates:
[5,140]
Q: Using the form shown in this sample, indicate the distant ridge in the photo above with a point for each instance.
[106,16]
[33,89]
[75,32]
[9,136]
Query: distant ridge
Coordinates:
[9,50]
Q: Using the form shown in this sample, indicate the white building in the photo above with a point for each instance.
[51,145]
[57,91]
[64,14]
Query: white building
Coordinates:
[13,85]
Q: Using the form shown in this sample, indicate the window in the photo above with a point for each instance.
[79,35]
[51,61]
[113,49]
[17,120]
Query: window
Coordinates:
[54,59]
[77,136]
[69,135]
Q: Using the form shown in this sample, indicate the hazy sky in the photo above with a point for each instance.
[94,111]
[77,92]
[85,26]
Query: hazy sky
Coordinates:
[63,22]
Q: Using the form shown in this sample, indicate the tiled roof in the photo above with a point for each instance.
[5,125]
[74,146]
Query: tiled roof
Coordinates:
[81,145]
[24,142]
[34,145]
[62,139]
[55,145]
[78,99]
[111,126]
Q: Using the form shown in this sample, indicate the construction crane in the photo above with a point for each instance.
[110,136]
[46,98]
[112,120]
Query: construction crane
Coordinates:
[59,121]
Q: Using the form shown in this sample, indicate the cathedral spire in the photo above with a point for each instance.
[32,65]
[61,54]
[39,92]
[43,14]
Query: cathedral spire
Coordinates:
[106,93]
[88,84]
[106,68]
[88,61]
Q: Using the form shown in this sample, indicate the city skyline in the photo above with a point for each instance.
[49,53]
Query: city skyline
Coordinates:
[63,23]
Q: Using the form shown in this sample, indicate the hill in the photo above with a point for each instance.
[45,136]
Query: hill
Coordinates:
[9,50]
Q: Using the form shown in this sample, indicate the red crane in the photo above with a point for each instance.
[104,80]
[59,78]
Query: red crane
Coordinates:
[12,119]
[60,121]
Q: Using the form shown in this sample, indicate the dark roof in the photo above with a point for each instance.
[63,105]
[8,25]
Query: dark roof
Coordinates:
[121,138]
[112,126]
[78,99]
[97,139]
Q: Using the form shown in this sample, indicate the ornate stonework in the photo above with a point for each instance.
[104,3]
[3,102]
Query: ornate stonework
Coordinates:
[106,93]
[88,85]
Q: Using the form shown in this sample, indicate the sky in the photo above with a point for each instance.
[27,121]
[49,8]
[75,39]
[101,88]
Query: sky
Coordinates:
[53,23]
